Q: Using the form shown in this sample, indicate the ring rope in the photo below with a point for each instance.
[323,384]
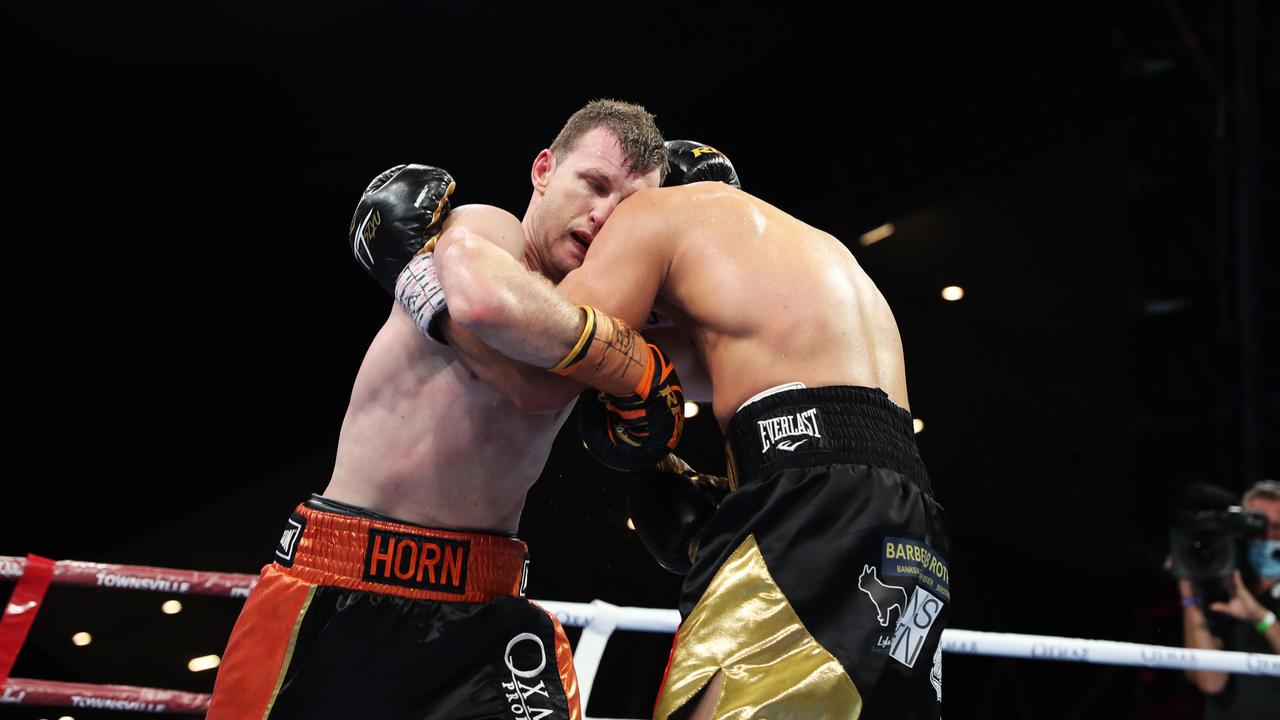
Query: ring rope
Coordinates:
[52,693]
[598,619]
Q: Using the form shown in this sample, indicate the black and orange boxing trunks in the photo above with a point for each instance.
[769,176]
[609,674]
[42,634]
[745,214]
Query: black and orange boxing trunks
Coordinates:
[821,585]
[363,616]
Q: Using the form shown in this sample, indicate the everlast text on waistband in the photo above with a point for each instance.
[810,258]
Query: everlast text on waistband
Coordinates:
[780,428]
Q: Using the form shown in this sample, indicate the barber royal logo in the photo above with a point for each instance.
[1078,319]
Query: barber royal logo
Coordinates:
[781,433]
[417,561]
[527,694]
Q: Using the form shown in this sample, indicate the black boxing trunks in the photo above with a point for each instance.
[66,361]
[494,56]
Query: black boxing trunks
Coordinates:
[821,584]
[362,616]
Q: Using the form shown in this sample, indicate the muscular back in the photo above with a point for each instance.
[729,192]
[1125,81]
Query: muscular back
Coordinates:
[425,441]
[765,298]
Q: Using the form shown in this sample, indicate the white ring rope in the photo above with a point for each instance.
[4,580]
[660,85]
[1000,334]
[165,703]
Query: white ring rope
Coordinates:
[600,619]
[1106,652]
[972,642]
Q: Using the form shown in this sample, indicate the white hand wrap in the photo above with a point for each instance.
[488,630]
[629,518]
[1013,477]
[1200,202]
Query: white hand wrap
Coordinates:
[419,292]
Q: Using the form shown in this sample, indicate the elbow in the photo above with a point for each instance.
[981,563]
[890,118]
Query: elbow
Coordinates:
[473,302]
[471,307]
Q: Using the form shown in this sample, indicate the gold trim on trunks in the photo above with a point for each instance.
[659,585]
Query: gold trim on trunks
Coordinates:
[773,668]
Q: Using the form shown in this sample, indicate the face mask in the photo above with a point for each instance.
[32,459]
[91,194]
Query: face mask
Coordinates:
[1263,558]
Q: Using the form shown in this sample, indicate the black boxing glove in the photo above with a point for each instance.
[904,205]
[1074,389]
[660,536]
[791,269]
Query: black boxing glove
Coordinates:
[670,506]
[689,161]
[400,212]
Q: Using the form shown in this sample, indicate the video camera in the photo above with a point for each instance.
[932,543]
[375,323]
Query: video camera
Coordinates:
[1207,544]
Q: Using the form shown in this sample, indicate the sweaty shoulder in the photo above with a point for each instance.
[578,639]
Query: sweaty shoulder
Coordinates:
[492,223]
[688,196]
[708,210]
[670,208]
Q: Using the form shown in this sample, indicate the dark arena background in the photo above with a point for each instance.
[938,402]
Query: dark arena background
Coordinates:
[185,319]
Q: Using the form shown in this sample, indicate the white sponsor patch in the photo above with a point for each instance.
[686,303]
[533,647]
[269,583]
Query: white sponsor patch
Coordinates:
[918,617]
[289,540]
[935,675]
[884,597]
[521,695]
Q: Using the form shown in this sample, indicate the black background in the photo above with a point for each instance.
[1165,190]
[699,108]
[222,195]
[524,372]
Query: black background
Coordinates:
[185,321]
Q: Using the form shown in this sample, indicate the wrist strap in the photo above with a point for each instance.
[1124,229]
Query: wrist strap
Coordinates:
[608,356]
[1266,622]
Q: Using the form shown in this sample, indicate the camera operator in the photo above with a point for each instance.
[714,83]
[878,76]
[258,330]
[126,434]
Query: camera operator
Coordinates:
[1244,620]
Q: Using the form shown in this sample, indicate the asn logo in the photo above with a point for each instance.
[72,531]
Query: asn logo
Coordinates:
[778,429]
[520,694]
[417,561]
[918,617]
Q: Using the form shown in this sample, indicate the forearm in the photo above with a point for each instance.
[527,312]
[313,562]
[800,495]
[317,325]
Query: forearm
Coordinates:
[1265,622]
[1273,637]
[1196,635]
[521,315]
[512,310]
[530,388]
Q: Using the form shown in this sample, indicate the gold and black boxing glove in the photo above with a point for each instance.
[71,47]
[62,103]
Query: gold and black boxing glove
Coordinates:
[689,161]
[670,505]
[399,215]
[635,416]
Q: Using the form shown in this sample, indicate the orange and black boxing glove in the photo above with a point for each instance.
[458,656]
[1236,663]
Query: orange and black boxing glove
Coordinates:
[635,415]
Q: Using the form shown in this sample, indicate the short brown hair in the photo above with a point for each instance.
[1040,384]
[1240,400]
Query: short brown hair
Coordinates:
[633,126]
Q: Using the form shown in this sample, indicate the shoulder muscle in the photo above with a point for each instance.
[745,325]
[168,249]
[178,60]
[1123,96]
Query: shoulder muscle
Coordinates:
[491,223]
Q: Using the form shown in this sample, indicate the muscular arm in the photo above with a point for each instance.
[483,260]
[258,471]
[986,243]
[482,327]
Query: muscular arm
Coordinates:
[488,283]
[521,315]
[627,263]
[532,389]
